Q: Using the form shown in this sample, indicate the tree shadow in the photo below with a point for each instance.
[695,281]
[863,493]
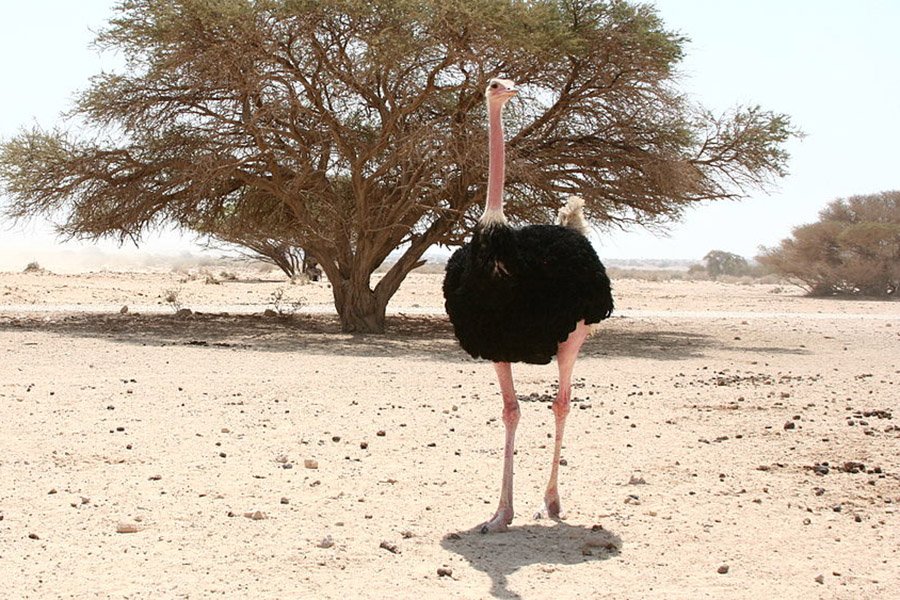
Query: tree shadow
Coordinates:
[414,336]
[500,555]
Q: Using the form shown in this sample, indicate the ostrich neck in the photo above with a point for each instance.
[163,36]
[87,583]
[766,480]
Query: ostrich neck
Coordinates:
[493,210]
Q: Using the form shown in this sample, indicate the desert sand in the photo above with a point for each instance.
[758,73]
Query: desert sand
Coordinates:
[726,441]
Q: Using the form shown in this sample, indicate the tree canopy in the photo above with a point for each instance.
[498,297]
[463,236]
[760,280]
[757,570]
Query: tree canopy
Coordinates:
[359,126]
[854,248]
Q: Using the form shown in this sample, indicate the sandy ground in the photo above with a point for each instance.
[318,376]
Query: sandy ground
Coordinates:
[726,441]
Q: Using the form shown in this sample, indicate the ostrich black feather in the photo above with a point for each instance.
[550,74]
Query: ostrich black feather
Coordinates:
[514,294]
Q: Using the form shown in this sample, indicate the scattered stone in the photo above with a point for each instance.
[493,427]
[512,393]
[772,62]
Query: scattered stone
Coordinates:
[637,480]
[563,462]
[820,469]
[155,477]
[790,425]
[269,313]
[820,579]
[311,463]
[127,528]
[183,313]
[33,536]
[285,500]
[407,534]
[363,445]
[256,516]
[390,547]
[444,572]
[123,310]
[452,536]
[722,569]
[52,491]
[326,542]
[381,433]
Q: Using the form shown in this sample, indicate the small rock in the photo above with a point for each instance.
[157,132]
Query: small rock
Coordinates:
[789,425]
[637,480]
[256,516]
[311,463]
[820,579]
[722,569]
[444,572]
[52,491]
[123,310]
[381,433]
[127,528]
[363,445]
[269,313]
[285,500]
[33,536]
[326,542]
[155,477]
[390,547]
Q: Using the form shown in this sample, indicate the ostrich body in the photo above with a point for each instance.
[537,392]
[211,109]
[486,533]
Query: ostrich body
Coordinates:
[524,295]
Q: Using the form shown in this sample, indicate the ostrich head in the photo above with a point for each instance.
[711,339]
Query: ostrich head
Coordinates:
[499,91]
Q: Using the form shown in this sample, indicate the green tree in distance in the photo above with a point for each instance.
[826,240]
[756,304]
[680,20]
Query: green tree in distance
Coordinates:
[364,121]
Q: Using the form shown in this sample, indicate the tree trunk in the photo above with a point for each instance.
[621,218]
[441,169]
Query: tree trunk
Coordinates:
[359,308]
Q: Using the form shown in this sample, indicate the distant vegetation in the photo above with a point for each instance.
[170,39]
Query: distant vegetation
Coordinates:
[853,250]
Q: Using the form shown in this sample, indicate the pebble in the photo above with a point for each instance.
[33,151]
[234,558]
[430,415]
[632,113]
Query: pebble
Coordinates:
[390,547]
[127,528]
[722,569]
[363,445]
[789,425]
[381,433]
[444,572]
[256,516]
[326,542]
[820,579]
[311,463]
[285,500]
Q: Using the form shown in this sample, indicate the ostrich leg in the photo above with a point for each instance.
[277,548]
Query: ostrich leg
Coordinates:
[504,514]
[565,357]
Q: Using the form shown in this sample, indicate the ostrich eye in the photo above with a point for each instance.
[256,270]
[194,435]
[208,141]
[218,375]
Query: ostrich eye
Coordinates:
[495,85]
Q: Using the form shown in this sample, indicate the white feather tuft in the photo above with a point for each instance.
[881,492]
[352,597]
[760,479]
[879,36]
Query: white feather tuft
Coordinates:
[572,215]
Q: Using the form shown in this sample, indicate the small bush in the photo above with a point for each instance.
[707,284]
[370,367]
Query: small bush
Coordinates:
[854,249]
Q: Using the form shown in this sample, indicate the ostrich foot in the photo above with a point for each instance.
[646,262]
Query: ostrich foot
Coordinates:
[498,522]
[551,508]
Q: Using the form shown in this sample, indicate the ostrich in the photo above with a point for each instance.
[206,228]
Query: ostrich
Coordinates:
[524,295]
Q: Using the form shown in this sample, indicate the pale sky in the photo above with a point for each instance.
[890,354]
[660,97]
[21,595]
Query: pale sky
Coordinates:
[832,65]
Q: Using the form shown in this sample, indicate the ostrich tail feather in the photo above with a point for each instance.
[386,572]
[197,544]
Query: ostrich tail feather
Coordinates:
[572,215]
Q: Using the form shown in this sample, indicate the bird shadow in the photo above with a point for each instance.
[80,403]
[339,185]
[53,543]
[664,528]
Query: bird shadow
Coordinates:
[499,555]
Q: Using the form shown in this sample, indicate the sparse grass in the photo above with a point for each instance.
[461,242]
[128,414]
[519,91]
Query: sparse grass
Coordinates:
[172,297]
[283,306]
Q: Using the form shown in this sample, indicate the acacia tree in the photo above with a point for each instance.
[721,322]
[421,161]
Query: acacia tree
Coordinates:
[854,248]
[719,262]
[364,119]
